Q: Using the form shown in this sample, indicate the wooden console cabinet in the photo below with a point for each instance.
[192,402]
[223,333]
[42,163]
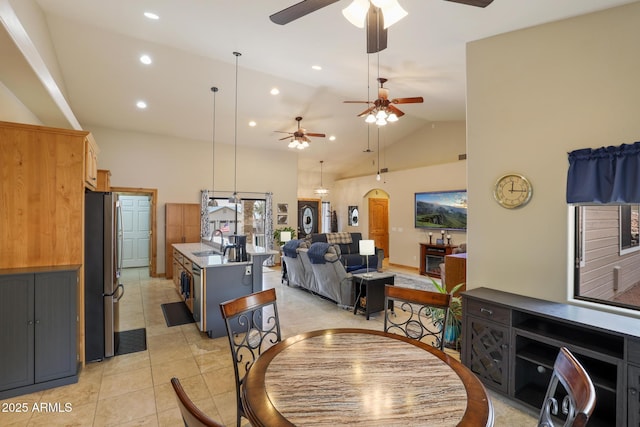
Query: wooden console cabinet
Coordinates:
[510,342]
[431,256]
[455,271]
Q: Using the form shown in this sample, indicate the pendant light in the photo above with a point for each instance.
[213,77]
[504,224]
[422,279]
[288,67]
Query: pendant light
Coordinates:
[235,199]
[212,201]
[321,191]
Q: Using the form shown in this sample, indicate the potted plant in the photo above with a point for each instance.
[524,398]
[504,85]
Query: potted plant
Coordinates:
[276,235]
[454,321]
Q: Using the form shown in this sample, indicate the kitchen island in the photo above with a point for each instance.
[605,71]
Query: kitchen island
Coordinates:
[205,278]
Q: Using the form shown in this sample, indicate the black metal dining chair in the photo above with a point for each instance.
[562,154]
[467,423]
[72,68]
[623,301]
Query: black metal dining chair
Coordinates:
[424,316]
[252,327]
[579,394]
[192,416]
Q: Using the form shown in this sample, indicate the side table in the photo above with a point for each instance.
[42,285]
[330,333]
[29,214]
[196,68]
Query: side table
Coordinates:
[371,287]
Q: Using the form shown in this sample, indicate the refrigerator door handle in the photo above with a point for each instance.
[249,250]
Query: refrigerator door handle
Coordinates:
[119,290]
[120,237]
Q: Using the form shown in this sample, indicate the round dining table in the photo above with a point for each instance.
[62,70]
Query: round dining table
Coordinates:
[362,377]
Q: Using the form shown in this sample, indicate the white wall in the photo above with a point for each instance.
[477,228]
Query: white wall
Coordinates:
[13,110]
[534,95]
[180,168]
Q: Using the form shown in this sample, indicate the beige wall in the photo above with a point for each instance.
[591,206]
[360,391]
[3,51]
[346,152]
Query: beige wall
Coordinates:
[180,168]
[534,95]
[401,187]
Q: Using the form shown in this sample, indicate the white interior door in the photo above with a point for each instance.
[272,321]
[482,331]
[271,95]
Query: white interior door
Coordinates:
[136,227]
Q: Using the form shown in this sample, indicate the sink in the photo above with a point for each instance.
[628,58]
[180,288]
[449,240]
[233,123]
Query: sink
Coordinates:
[206,253]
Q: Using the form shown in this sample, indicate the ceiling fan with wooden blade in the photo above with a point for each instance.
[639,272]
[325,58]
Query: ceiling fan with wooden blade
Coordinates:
[300,137]
[384,103]
[376,32]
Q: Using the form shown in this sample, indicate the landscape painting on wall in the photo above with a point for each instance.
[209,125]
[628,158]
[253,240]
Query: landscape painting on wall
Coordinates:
[441,210]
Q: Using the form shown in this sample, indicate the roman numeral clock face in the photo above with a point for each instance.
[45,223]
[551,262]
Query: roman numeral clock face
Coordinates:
[512,191]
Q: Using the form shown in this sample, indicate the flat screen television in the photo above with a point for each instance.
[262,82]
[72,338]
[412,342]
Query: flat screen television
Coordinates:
[446,210]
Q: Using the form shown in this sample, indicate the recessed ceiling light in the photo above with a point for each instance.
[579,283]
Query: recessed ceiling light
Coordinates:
[316,67]
[252,123]
[275,91]
[145,59]
[151,15]
[141,105]
[332,138]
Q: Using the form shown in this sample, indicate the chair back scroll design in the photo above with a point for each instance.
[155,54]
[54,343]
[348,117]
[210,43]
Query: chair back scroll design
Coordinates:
[580,400]
[423,322]
[192,416]
[252,327]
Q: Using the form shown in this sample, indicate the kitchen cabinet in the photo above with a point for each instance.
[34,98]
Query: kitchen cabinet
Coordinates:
[104,180]
[91,163]
[182,225]
[38,324]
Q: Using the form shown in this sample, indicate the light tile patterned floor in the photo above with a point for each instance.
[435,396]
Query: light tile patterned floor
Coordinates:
[134,389]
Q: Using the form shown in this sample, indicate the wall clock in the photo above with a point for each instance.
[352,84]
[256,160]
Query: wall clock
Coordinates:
[512,191]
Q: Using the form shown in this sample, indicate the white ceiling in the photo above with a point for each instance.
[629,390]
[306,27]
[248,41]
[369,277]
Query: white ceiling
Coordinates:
[98,44]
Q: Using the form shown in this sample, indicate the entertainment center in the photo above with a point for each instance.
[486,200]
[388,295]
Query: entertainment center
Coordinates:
[510,342]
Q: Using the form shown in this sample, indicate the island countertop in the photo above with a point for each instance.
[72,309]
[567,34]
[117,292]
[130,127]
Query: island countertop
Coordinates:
[213,258]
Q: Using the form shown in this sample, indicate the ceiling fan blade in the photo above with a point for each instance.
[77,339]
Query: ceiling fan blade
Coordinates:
[396,110]
[376,33]
[358,102]
[299,10]
[306,139]
[412,100]
[479,3]
[320,135]
[281,131]
[367,111]
[286,137]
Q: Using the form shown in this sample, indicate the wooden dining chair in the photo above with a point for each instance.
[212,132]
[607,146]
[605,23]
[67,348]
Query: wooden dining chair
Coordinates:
[252,327]
[580,399]
[191,415]
[427,314]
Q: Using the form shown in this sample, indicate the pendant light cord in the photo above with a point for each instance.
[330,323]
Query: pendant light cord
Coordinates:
[235,136]
[213,148]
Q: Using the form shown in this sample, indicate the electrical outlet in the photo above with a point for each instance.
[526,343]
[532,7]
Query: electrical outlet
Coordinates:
[247,270]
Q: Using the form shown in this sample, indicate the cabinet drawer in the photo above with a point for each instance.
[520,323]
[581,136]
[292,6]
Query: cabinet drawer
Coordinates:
[187,263]
[488,311]
[178,256]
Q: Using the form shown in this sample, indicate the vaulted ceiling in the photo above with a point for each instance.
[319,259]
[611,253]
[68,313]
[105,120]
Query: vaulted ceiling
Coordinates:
[98,44]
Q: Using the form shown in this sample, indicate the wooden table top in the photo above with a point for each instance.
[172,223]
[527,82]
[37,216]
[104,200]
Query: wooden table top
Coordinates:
[362,377]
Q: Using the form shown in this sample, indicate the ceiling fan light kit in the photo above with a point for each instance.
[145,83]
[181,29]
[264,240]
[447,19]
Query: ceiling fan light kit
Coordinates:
[356,12]
[300,138]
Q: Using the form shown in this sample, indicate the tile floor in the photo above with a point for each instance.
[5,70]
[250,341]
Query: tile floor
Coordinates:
[134,389]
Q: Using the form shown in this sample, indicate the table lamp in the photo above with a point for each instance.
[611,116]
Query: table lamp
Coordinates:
[367,247]
[285,236]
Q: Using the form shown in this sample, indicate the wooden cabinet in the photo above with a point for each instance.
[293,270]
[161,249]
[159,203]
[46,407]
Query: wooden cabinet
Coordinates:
[182,225]
[38,327]
[104,180]
[486,342]
[455,271]
[91,163]
[522,336]
[42,193]
[431,256]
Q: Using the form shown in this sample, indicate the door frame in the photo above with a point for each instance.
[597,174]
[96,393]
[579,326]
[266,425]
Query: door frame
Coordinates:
[152,193]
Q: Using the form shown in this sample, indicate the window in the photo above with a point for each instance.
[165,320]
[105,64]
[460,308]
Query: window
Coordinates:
[607,254]
[628,228]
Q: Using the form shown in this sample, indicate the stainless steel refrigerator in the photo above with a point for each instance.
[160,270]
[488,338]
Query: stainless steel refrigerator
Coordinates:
[102,267]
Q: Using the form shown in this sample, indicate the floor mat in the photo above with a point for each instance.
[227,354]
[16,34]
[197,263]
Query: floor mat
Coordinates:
[176,313]
[131,341]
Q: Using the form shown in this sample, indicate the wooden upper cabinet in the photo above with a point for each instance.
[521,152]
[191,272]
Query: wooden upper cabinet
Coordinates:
[41,195]
[104,180]
[182,225]
[91,163]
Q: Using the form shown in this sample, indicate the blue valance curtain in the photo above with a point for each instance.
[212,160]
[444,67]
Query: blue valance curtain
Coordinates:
[604,175]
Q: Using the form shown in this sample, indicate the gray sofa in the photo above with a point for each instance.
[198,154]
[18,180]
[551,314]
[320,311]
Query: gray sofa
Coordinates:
[331,278]
[349,245]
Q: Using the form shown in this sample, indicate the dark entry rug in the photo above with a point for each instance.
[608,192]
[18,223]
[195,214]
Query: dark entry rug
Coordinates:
[176,313]
[131,341]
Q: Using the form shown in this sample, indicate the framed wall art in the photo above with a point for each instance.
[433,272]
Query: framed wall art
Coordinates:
[353,216]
